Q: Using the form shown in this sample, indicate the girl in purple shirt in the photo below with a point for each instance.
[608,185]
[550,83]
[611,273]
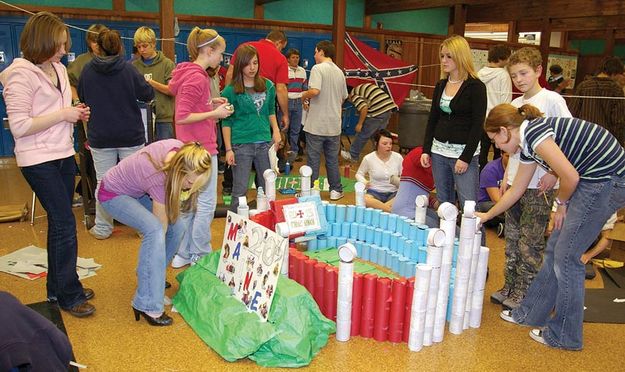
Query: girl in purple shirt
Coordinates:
[148,191]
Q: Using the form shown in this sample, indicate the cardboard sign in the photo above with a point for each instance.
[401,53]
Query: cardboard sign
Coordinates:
[301,217]
[250,261]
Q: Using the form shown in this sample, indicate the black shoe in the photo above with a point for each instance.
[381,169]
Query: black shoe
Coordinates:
[167,284]
[226,191]
[163,320]
[81,310]
[221,167]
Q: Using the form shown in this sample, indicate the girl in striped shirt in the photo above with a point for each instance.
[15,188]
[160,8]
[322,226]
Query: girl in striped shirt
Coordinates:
[591,165]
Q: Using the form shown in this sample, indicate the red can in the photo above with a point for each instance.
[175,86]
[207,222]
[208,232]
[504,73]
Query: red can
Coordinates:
[346,170]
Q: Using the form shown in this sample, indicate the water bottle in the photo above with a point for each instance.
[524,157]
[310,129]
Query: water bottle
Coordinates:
[287,168]
[261,200]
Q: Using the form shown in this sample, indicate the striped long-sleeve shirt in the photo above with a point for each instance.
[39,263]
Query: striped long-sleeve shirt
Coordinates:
[376,99]
[609,113]
[590,148]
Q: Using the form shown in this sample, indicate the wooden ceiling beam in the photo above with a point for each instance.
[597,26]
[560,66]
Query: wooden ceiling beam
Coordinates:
[504,11]
[263,2]
[619,35]
[390,6]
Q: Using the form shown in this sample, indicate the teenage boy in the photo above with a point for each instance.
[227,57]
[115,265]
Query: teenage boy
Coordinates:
[498,90]
[527,219]
[74,69]
[297,84]
[323,100]
[156,68]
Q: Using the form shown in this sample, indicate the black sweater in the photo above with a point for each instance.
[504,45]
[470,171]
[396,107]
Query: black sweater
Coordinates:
[111,87]
[465,123]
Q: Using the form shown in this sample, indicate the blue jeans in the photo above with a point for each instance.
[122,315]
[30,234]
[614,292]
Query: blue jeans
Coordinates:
[448,182]
[330,146]
[245,155]
[295,123]
[157,247]
[197,241]
[103,160]
[559,284]
[369,127]
[53,182]
[163,131]
[381,196]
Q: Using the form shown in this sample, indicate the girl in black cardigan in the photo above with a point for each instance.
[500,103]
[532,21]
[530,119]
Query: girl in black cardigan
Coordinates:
[454,129]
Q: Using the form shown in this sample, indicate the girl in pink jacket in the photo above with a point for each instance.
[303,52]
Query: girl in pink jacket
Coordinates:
[41,118]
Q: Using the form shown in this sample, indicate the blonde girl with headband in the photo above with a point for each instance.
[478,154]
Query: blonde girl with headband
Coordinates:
[196,113]
[454,128]
[150,191]
[591,166]
[248,132]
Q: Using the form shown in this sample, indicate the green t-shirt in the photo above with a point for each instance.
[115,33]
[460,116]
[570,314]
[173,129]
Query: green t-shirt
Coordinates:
[160,69]
[250,121]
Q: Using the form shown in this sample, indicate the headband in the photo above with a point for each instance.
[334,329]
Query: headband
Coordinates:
[208,42]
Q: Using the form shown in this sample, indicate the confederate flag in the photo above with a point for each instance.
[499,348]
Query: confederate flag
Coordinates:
[364,64]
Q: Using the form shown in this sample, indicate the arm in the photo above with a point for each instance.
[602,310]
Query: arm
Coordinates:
[493,193]
[522,179]
[163,88]
[362,115]
[275,131]
[227,134]
[143,90]
[18,98]
[569,178]
[186,99]
[310,93]
[476,97]
[158,209]
[363,169]
[283,102]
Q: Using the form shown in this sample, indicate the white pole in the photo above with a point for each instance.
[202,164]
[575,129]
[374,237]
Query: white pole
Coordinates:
[347,253]
[305,172]
[448,214]
[359,188]
[270,184]
[478,291]
[421,203]
[436,239]
[463,269]
[419,307]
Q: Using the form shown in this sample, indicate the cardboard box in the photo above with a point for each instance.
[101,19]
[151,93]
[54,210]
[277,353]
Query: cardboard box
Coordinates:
[617,249]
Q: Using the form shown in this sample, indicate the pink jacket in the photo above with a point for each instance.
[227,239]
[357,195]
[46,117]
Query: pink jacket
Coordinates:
[191,87]
[28,93]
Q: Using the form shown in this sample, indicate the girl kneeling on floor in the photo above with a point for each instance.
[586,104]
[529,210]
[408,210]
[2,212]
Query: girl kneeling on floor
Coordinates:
[148,191]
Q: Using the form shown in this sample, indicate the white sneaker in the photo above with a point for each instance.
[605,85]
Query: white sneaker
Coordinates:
[346,155]
[537,335]
[335,195]
[507,316]
[180,261]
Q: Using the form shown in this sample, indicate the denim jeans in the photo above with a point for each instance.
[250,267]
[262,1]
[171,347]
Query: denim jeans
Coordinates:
[330,146]
[295,123]
[163,131]
[157,247]
[197,240]
[369,127]
[448,182]
[103,160]
[53,182]
[559,284]
[245,155]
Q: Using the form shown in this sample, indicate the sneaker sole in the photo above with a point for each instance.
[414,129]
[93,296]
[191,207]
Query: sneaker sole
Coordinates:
[507,318]
[178,266]
[535,335]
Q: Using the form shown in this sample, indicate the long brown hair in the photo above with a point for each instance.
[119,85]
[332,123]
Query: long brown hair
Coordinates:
[244,55]
[507,116]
